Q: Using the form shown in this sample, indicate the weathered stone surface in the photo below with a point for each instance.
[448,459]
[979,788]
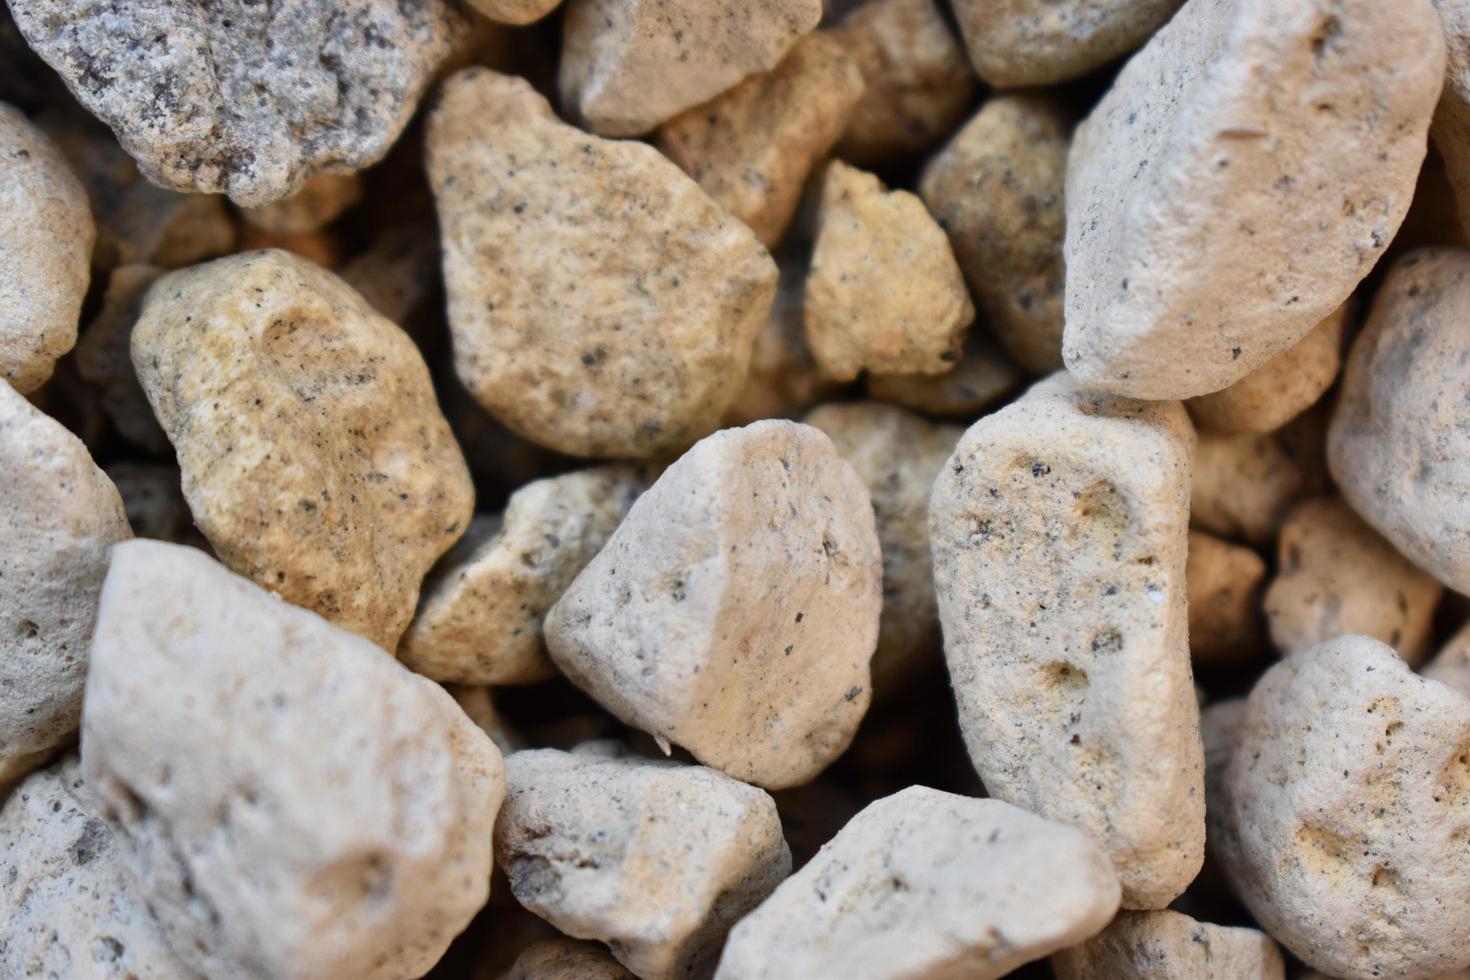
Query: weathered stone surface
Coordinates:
[316,204]
[735,609]
[1059,533]
[1219,204]
[153,498]
[299,804]
[1224,581]
[515,12]
[1451,128]
[313,453]
[1166,945]
[1244,486]
[929,884]
[601,303]
[566,959]
[1451,665]
[983,376]
[239,97]
[105,360]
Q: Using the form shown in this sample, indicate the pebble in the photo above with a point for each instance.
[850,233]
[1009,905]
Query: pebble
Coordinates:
[1244,486]
[1168,945]
[1451,665]
[1451,128]
[475,701]
[515,12]
[566,959]
[104,358]
[984,375]
[1224,582]
[318,202]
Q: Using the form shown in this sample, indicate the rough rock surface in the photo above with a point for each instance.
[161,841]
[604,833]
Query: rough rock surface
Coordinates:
[1451,665]
[313,453]
[929,884]
[735,609]
[1218,202]
[1059,529]
[346,836]
[1224,581]
[1451,129]
[1167,945]
[1244,486]
[601,304]
[983,375]
[566,959]
[105,360]
[316,204]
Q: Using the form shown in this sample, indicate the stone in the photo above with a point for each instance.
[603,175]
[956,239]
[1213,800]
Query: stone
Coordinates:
[1218,202]
[1225,582]
[600,303]
[398,274]
[996,190]
[1347,802]
[1336,577]
[1168,945]
[628,65]
[314,456]
[1451,665]
[984,375]
[241,98]
[1451,127]
[46,236]
[475,701]
[300,804]
[515,12]
[318,202]
[1398,441]
[566,959]
[1059,530]
[884,293]
[654,858]
[324,247]
[1244,486]
[153,498]
[480,617]
[105,361]
[735,609]
[59,516]
[928,884]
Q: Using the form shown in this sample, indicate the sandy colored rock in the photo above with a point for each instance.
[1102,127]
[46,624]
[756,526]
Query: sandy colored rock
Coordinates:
[324,247]
[104,357]
[1244,486]
[242,98]
[153,498]
[929,884]
[566,959]
[475,701]
[515,12]
[884,293]
[1216,214]
[399,273]
[628,65]
[1346,807]
[318,202]
[46,236]
[735,609]
[601,304]
[983,376]
[1167,945]
[1451,665]
[1336,577]
[1059,528]
[313,453]
[345,836]
[1451,128]
[1224,581]
[480,618]
[59,515]
[996,190]
[1399,444]
[654,858]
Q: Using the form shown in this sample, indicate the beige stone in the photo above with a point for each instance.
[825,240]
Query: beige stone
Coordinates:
[319,202]
[1224,581]
[983,376]
[1244,486]
[601,304]
[735,609]
[479,707]
[1059,529]
[1219,202]
[929,884]
[105,361]
[313,453]
[566,959]
[399,273]
[516,12]
[324,248]
[1451,128]
[153,498]
[1451,665]
[1167,945]
[298,804]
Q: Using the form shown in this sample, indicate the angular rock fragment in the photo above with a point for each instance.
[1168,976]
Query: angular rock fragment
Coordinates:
[1224,580]
[105,360]
[1244,486]
[316,204]
[566,959]
[1166,945]
[1451,665]
[983,375]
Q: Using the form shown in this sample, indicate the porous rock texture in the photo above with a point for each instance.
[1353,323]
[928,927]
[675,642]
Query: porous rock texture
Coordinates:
[1166,945]
[1224,581]
[1059,533]
[314,456]
[105,361]
[1244,486]
[735,609]
[566,959]
[346,836]
[601,304]
[1218,204]
[929,884]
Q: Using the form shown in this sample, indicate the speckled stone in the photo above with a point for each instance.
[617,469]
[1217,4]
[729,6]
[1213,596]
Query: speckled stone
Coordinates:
[1167,945]
[1244,486]
[1224,581]
[105,361]
[984,375]
[316,204]
[566,959]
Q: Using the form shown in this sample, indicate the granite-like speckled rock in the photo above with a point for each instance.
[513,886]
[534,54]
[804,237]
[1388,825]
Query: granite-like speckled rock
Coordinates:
[105,360]
[1167,945]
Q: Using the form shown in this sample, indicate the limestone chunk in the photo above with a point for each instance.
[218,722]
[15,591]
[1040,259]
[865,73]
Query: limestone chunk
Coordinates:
[628,65]
[1219,204]
[1244,486]
[983,376]
[313,453]
[566,959]
[601,304]
[105,361]
[299,804]
[1346,806]
[480,618]
[1225,581]
[884,293]
[59,515]
[318,202]
[735,609]
[654,858]
[1451,665]
[929,884]
[1167,945]
[1059,529]
[1336,577]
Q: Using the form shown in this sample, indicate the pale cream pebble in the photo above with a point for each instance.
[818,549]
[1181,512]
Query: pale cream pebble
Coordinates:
[1399,444]
[654,858]
[105,361]
[1336,577]
[884,292]
[996,190]
[1219,204]
[314,456]
[1280,389]
[628,65]
[566,959]
[480,617]
[929,884]
[479,707]
[59,517]
[1225,582]
[919,82]
[319,202]
[1167,945]
[1346,807]
[735,609]
[46,236]
[1451,665]
[1243,486]
[898,455]
[984,375]
[299,804]
[322,247]
[399,272]
[1451,128]
[600,303]
[153,498]
[1059,530]
[515,12]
